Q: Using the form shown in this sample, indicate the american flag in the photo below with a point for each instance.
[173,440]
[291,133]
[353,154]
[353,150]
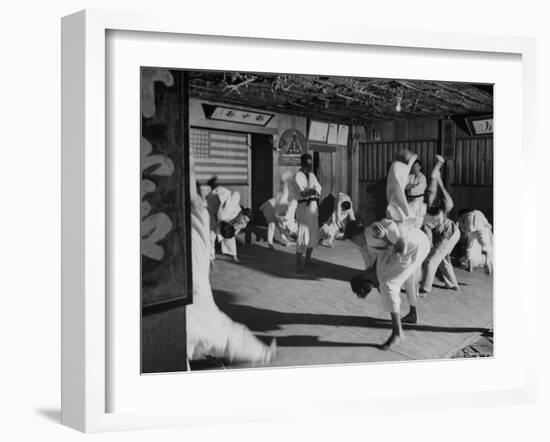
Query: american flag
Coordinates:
[223,154]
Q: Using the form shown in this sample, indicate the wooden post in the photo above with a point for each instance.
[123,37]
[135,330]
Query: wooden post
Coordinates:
[354,169]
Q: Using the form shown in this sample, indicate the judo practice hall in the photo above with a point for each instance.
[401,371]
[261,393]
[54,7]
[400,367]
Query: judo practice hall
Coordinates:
[299,220]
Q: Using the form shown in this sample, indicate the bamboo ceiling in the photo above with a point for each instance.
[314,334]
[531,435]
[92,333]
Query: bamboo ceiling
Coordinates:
[344,99]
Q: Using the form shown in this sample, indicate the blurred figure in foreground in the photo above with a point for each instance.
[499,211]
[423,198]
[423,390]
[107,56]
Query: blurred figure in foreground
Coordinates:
[210,332]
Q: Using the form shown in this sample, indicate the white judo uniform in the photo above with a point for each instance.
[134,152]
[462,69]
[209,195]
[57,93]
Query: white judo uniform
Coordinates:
[416,186]
[307,211]
[209,330]
[279,213]
[398,207]
[336,224]
[223,205]
[479,239]
[445,235]
[395,270]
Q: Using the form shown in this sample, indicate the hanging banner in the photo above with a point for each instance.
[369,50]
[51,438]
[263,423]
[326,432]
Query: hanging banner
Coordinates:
[292,145]
[165,211]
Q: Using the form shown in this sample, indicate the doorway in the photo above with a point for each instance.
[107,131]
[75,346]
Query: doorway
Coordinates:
[262,173]
[324,169]
[325,173]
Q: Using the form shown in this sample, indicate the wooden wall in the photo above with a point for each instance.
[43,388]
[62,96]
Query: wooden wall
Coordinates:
[341,160]
[332,171]
[469,175]
[473,162]
[276,126]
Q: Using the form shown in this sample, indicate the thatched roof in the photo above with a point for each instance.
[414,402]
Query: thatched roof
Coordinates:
[344,99]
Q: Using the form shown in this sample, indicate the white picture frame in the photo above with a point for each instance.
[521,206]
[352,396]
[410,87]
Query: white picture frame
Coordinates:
[86,352]
[318,131]
[332,137]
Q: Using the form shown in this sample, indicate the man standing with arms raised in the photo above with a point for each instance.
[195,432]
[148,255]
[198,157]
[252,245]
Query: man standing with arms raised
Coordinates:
[306,190]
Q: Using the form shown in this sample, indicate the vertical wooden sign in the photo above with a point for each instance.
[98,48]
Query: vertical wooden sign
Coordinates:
[165,211]
[166,281]
[448,139]
[448,146]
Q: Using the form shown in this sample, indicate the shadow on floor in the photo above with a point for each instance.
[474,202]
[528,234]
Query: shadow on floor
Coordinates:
[282,265]
[313,341]
[264,320]
[444,287]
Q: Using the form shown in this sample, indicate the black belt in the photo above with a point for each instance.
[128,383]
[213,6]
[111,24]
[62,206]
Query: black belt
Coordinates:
[307,201]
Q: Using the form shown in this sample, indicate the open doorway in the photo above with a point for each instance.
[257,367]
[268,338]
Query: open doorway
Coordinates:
[323,168]
[262,173]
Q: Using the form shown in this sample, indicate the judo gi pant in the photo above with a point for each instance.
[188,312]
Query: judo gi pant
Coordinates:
[229,245]
[440,258]
[395,272]
[390,294]
[274,232]
[307,218]
[480,239]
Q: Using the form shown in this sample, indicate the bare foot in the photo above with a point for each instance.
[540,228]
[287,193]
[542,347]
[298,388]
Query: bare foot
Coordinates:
[272,352]
[410,318]
[394,339]
[423,293]
[269,353]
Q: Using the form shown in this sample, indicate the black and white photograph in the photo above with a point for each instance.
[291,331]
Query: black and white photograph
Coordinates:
[293,220]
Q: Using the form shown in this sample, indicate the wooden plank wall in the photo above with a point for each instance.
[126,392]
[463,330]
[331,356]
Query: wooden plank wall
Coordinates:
[333,173]
[376,156]
[339,171]
[471,175]
[473,162]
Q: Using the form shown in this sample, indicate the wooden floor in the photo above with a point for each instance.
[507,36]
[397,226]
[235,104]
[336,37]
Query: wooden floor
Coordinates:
[318,320]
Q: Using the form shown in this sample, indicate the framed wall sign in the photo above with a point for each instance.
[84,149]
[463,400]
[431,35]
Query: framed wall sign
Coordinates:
[292,145]
[119,189]
[480,125]
[223,113]
[343,134]
[318,131]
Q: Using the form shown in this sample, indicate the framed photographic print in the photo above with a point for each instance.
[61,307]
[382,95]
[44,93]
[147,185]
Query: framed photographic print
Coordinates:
[227,258]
